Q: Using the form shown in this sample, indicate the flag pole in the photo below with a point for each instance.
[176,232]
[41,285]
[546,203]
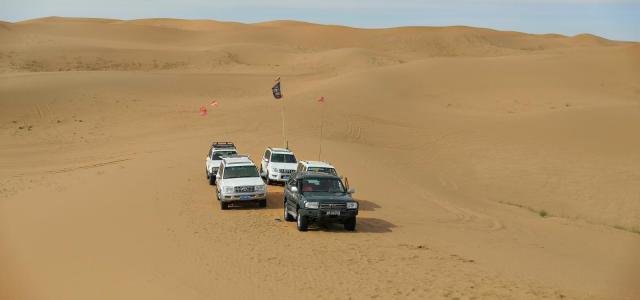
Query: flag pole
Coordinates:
[321,129]
[284,136]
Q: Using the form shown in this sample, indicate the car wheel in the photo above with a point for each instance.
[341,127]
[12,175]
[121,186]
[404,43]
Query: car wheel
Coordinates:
[268,180]
[287,217]
[207,172]
[224,205]
[263,203]
[350,224]
[217,195]
[303,222]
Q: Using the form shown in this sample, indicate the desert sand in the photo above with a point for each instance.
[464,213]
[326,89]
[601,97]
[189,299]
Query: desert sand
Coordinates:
[488,164]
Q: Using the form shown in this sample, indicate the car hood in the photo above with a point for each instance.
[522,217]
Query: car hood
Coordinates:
[321,197]
[287,166]
[243,181]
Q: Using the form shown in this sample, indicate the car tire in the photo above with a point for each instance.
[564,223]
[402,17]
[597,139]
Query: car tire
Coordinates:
[217,195]
[263,203]
[207,172]
[287,217]
[268,180]
[224,205]
[302,222]
[350,224]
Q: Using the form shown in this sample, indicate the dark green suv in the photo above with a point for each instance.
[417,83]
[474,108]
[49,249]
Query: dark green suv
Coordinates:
[319,197]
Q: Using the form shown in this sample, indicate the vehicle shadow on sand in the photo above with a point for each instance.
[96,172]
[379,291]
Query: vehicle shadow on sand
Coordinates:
[366,205]
[275,199]
[365,225]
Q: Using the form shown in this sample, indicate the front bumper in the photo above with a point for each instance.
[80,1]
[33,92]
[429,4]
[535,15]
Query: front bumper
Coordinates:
[243,197]
[282,177]
[321,214]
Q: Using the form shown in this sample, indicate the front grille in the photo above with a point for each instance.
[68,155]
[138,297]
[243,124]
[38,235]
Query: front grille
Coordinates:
[333,205]
[245,189]
[286,171]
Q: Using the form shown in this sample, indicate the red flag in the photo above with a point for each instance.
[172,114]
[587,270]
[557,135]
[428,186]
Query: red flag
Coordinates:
[203,110]
[321,100]
[214,103]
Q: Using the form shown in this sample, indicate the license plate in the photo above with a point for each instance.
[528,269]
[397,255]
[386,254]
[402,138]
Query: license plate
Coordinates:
[285,176]
[245,197]
[333,213]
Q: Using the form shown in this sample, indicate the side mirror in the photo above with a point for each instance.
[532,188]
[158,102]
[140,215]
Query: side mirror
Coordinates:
[351,191]
[294,189]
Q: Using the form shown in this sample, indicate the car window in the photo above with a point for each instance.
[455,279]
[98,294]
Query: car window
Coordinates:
[218,155]
[240,172]
[331,171]
[322,185]
[283,158]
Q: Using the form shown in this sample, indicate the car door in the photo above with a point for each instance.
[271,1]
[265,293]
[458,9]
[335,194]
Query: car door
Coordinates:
[264,165]
[219,177]
[293,197]
[208,160]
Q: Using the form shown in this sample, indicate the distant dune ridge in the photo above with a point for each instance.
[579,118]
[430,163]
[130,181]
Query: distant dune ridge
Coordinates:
[203,45]
[489,164]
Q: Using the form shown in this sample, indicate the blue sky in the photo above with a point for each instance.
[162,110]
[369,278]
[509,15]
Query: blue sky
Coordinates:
[615,19]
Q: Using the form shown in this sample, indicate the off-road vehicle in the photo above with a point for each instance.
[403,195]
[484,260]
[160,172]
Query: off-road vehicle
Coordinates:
[316,166]
[214,158]
[238,181]
[277,164]
[319,197]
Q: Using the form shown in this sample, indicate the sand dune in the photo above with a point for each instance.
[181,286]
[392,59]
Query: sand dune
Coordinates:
[489,164]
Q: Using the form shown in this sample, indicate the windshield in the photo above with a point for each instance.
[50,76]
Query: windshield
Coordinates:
[240,172]
[218,155]
[283,158]
[322,185]
[331,171]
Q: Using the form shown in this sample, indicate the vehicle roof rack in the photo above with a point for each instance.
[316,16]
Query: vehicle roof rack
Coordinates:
[237,156]
[223,145]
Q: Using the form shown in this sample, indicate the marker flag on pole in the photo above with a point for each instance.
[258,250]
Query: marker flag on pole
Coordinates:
[277,93]
[321,99]
[203,110]
[214,103]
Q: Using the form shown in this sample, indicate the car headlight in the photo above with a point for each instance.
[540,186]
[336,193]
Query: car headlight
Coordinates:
[260,188]
[274,169]
[311,205]
[228,189]
[352,205]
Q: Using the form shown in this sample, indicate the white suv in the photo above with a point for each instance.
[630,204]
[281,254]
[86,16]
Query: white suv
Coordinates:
[277,164]
[316,166]
[238,181]
[214,158]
